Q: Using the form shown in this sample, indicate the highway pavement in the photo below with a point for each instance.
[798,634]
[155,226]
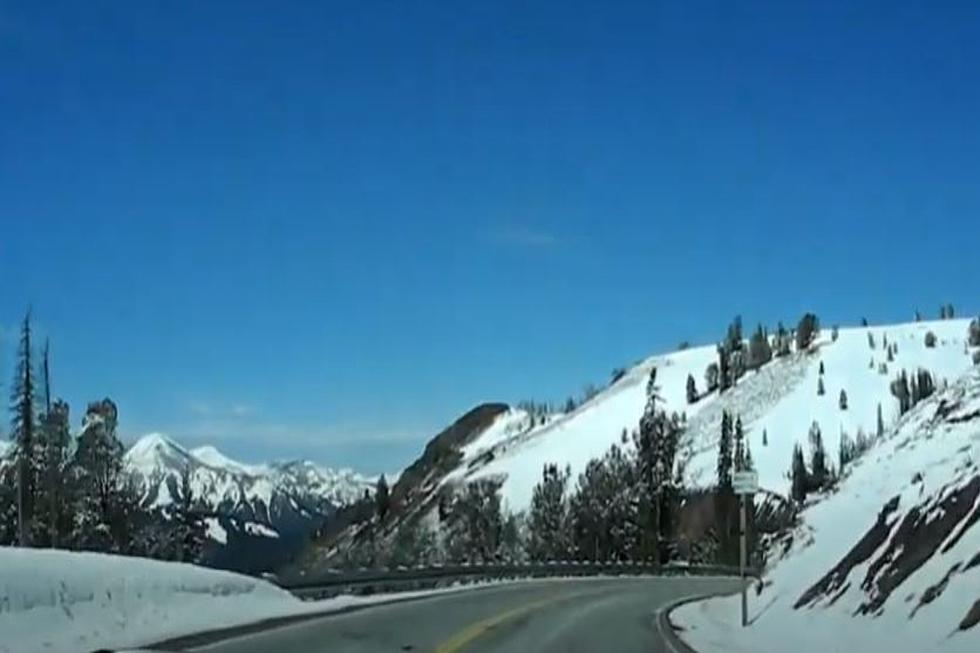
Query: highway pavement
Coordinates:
[553,616]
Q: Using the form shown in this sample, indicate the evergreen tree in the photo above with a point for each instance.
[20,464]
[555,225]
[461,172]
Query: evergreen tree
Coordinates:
[798,473]
[547,520]
[842,401]
[834,333]
[100,482]
[415,544]
[760,352]
[782,341]
[711,374]
[749,463]
[739,436]
[949,311]
[475,524]
[189,525]
[890,355]
[53,517]
[871,340]
[930,339]
[818,458]
[23,431]
[973,333]
[820,389]
[864,321]
[724,371]
[725,453]
[692,389]
[918,315]
[605,508]
[942,311]
[765,438]
[569,405]
[821,368]
[806,331]
[900,390]
[382,498]
[880,432]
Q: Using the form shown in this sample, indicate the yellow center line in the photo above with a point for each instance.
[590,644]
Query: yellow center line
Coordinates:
[468,635]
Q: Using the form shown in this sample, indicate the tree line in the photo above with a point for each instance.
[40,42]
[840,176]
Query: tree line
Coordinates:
[73,492]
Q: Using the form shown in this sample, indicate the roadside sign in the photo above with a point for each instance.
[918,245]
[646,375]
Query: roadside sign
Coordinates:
[745,482]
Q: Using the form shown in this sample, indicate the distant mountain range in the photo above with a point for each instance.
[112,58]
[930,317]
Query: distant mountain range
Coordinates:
[258,516]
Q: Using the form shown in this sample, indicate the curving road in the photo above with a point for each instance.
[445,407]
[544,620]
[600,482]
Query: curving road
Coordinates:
[560,616]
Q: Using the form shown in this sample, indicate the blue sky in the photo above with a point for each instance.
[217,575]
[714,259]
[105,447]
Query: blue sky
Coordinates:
[327,229]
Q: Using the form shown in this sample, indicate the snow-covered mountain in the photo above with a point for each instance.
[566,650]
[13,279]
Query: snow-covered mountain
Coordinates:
[267,508]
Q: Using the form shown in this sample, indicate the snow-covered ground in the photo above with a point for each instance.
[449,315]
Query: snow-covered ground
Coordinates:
[781,399]
[65,602]
[888,593]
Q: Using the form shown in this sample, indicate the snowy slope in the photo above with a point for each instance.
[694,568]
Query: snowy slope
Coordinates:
[887,591]
[781,398]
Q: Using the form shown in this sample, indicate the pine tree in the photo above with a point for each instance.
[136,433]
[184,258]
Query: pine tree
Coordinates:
[765,438]
[475,524]
[760,352]
[190,528]
[864,321]
[749,463]
[842,401]
[806,331]
[725,453]
[930,339]
[547,520]
[834,333]
[711,374]
[724,371]
[99,478]
[942,311]
[739,436]
[880,432]
[871,340]
[820,389]
[821,368]
[818,458]
[23,431]
[973,333]
[949,311]
[382,498]
[798,473]
[692,390]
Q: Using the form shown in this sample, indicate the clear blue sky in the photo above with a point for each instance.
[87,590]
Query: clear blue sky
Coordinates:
[327,229]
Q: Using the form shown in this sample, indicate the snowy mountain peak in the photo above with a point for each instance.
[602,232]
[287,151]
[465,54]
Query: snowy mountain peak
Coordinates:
[209,455]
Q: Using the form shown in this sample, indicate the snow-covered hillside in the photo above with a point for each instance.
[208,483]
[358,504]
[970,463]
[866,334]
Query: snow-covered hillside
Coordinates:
[890,561]
[780,399]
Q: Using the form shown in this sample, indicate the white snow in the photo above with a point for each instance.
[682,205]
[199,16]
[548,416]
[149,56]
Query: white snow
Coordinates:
[215,531]
[255,528]
[65,602]
[781,398]
[209,455]
[945,452]
[56,601]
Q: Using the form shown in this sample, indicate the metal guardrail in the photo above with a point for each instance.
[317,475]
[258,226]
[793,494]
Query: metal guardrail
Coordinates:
[370,581]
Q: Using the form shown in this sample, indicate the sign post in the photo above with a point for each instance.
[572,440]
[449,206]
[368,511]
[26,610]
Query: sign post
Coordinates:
[745,485]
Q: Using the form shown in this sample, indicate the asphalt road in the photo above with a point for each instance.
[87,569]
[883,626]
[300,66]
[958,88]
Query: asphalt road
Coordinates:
[560,616]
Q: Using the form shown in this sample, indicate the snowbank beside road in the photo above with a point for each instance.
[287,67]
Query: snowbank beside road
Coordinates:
[68,602]
[62,601]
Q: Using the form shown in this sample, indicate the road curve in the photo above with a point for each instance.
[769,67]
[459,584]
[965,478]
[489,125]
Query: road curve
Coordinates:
[559,616]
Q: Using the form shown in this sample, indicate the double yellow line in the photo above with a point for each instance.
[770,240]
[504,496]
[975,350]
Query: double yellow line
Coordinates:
[468,635]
